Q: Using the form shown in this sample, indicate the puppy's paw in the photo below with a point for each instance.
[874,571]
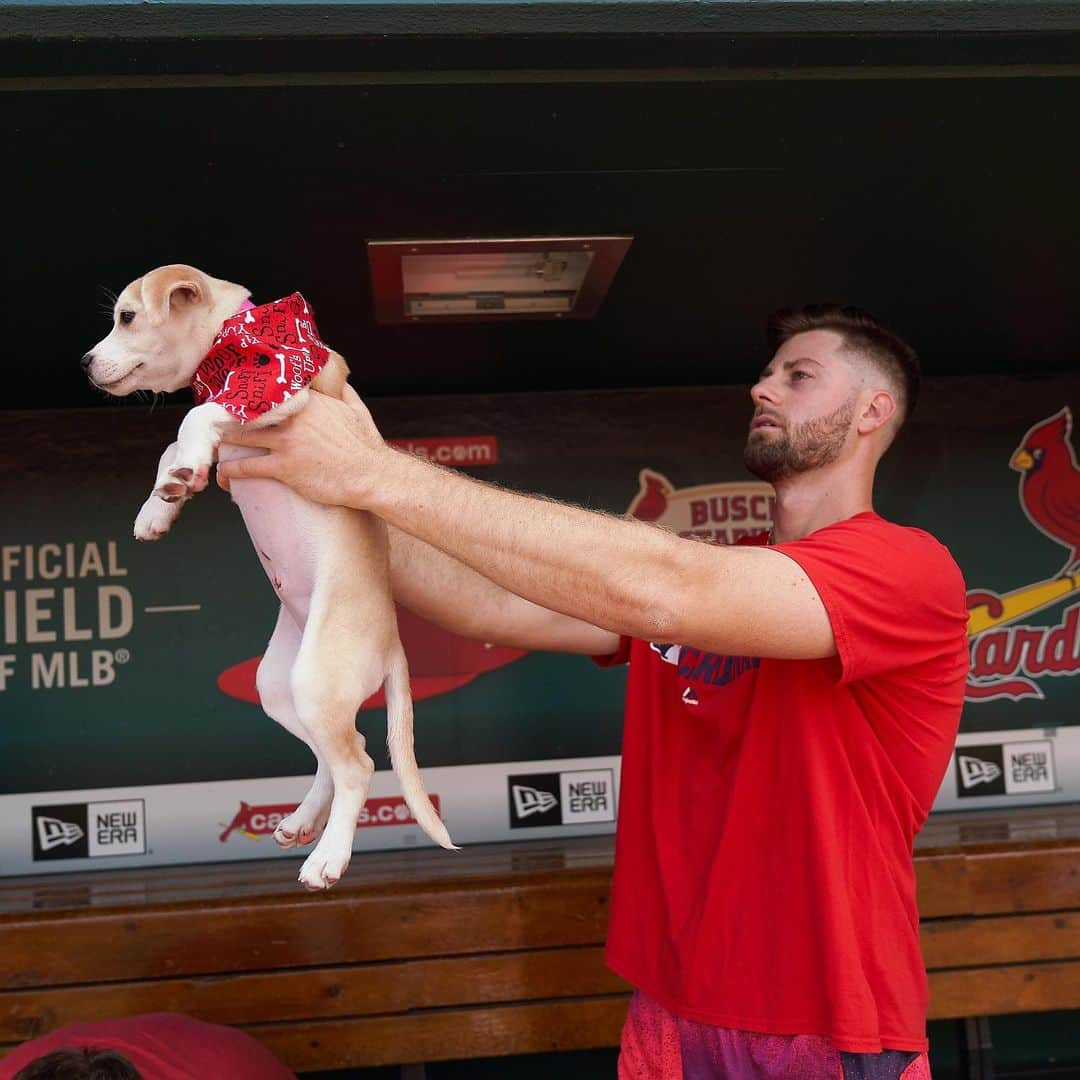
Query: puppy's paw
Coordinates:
[323,868]
[303,826]
[155,518]
[172,491]
[183,481]
[195,476]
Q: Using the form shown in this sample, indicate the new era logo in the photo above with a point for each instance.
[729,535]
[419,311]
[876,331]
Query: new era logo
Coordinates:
[581,797]
[534,800]
[1013,768]
[588,796]
[974,771]
[89,830]
[59,832]
[117,828]
[52,832]
[528,800]
[1029,767]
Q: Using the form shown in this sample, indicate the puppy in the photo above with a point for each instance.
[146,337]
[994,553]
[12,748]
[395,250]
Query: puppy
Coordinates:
[336,640]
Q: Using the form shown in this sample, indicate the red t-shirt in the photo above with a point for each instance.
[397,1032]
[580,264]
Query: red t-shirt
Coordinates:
[763,872]
[162,1046]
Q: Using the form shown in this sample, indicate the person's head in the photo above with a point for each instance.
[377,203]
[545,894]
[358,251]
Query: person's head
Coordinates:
[839,385]
[86,1064]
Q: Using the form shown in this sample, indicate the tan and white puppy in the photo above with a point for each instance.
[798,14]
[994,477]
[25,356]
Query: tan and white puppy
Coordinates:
[336,640]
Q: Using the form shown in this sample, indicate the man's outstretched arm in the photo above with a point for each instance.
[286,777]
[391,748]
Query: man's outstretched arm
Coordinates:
[626,576]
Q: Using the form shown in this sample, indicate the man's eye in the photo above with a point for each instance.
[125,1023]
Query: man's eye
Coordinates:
[127,317]
[800,375]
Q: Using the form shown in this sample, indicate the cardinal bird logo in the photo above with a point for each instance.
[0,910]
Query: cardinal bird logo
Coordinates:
[1008,657]
[720,513]
[652,498]
[1050,483]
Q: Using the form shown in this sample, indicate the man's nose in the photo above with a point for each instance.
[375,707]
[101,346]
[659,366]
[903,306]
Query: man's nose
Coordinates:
[761,392]
[87,360]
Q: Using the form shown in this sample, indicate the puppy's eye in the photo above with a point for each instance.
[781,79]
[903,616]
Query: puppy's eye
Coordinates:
[127,317]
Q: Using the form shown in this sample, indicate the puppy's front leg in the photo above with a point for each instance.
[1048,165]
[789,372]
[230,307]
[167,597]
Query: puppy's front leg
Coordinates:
[196,446]
[157,516]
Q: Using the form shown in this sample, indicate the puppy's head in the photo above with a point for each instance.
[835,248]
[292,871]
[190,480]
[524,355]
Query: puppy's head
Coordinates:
[163,325]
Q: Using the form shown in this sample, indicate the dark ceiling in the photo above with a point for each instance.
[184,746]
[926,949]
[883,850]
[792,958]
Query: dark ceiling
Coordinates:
[943,200]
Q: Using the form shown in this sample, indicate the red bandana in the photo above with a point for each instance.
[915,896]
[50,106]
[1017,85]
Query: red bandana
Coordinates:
[260,358]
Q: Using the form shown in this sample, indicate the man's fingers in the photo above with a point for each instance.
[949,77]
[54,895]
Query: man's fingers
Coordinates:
[246,468]
[247,436]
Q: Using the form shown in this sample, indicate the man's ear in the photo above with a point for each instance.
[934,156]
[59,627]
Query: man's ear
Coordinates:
[171,288]
[877,412]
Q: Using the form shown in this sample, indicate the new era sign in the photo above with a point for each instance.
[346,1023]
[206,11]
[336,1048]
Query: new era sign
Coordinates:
[59,832]
[582,797]
[534,800]
[89,830]
[1015,768]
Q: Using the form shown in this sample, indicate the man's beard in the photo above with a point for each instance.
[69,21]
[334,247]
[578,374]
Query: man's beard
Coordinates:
[810,445]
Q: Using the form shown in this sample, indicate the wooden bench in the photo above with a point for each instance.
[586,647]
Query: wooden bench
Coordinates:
[422,956]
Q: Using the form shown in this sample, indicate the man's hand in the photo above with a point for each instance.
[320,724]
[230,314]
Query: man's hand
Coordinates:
[330,451]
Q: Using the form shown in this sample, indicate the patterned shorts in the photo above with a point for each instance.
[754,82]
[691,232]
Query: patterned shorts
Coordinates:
[656,1045]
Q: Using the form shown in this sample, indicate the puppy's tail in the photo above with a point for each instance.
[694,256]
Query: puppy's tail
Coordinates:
[399,736]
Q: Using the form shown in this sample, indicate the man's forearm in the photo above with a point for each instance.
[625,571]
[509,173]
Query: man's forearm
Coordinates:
[439,588]
[450,594]
[603,570]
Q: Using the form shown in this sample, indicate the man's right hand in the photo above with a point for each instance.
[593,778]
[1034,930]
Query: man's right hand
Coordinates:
[329,451]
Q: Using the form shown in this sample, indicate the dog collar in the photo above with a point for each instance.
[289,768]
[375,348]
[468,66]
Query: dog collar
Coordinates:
[261,357]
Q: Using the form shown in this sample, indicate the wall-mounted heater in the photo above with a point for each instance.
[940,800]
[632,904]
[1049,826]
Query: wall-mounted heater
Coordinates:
[548,277]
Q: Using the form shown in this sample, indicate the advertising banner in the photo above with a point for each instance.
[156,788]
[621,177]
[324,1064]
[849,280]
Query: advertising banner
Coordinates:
[130,732]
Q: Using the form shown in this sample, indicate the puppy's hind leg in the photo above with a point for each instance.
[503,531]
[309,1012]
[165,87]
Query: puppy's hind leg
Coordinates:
[328,694]
[273,680]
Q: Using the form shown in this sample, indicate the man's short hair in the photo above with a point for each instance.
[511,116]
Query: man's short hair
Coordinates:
[87,1064]
[863,334]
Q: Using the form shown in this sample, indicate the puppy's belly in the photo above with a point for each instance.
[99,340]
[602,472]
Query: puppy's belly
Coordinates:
[288,533]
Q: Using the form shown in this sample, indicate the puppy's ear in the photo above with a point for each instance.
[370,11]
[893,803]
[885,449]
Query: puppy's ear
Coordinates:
[171,288]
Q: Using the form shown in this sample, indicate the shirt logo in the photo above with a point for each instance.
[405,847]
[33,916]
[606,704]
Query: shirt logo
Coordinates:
[668,653]
[707,667]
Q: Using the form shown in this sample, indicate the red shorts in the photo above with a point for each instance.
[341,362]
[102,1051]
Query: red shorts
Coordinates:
[657,1045]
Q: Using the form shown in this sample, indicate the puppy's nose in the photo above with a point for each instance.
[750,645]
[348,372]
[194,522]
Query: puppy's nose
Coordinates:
[87,360]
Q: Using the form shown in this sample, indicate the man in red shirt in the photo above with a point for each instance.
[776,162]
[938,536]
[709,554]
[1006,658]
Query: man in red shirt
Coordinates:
[792,704]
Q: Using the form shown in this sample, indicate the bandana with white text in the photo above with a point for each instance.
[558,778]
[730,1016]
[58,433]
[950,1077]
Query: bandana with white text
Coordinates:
[260,358]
